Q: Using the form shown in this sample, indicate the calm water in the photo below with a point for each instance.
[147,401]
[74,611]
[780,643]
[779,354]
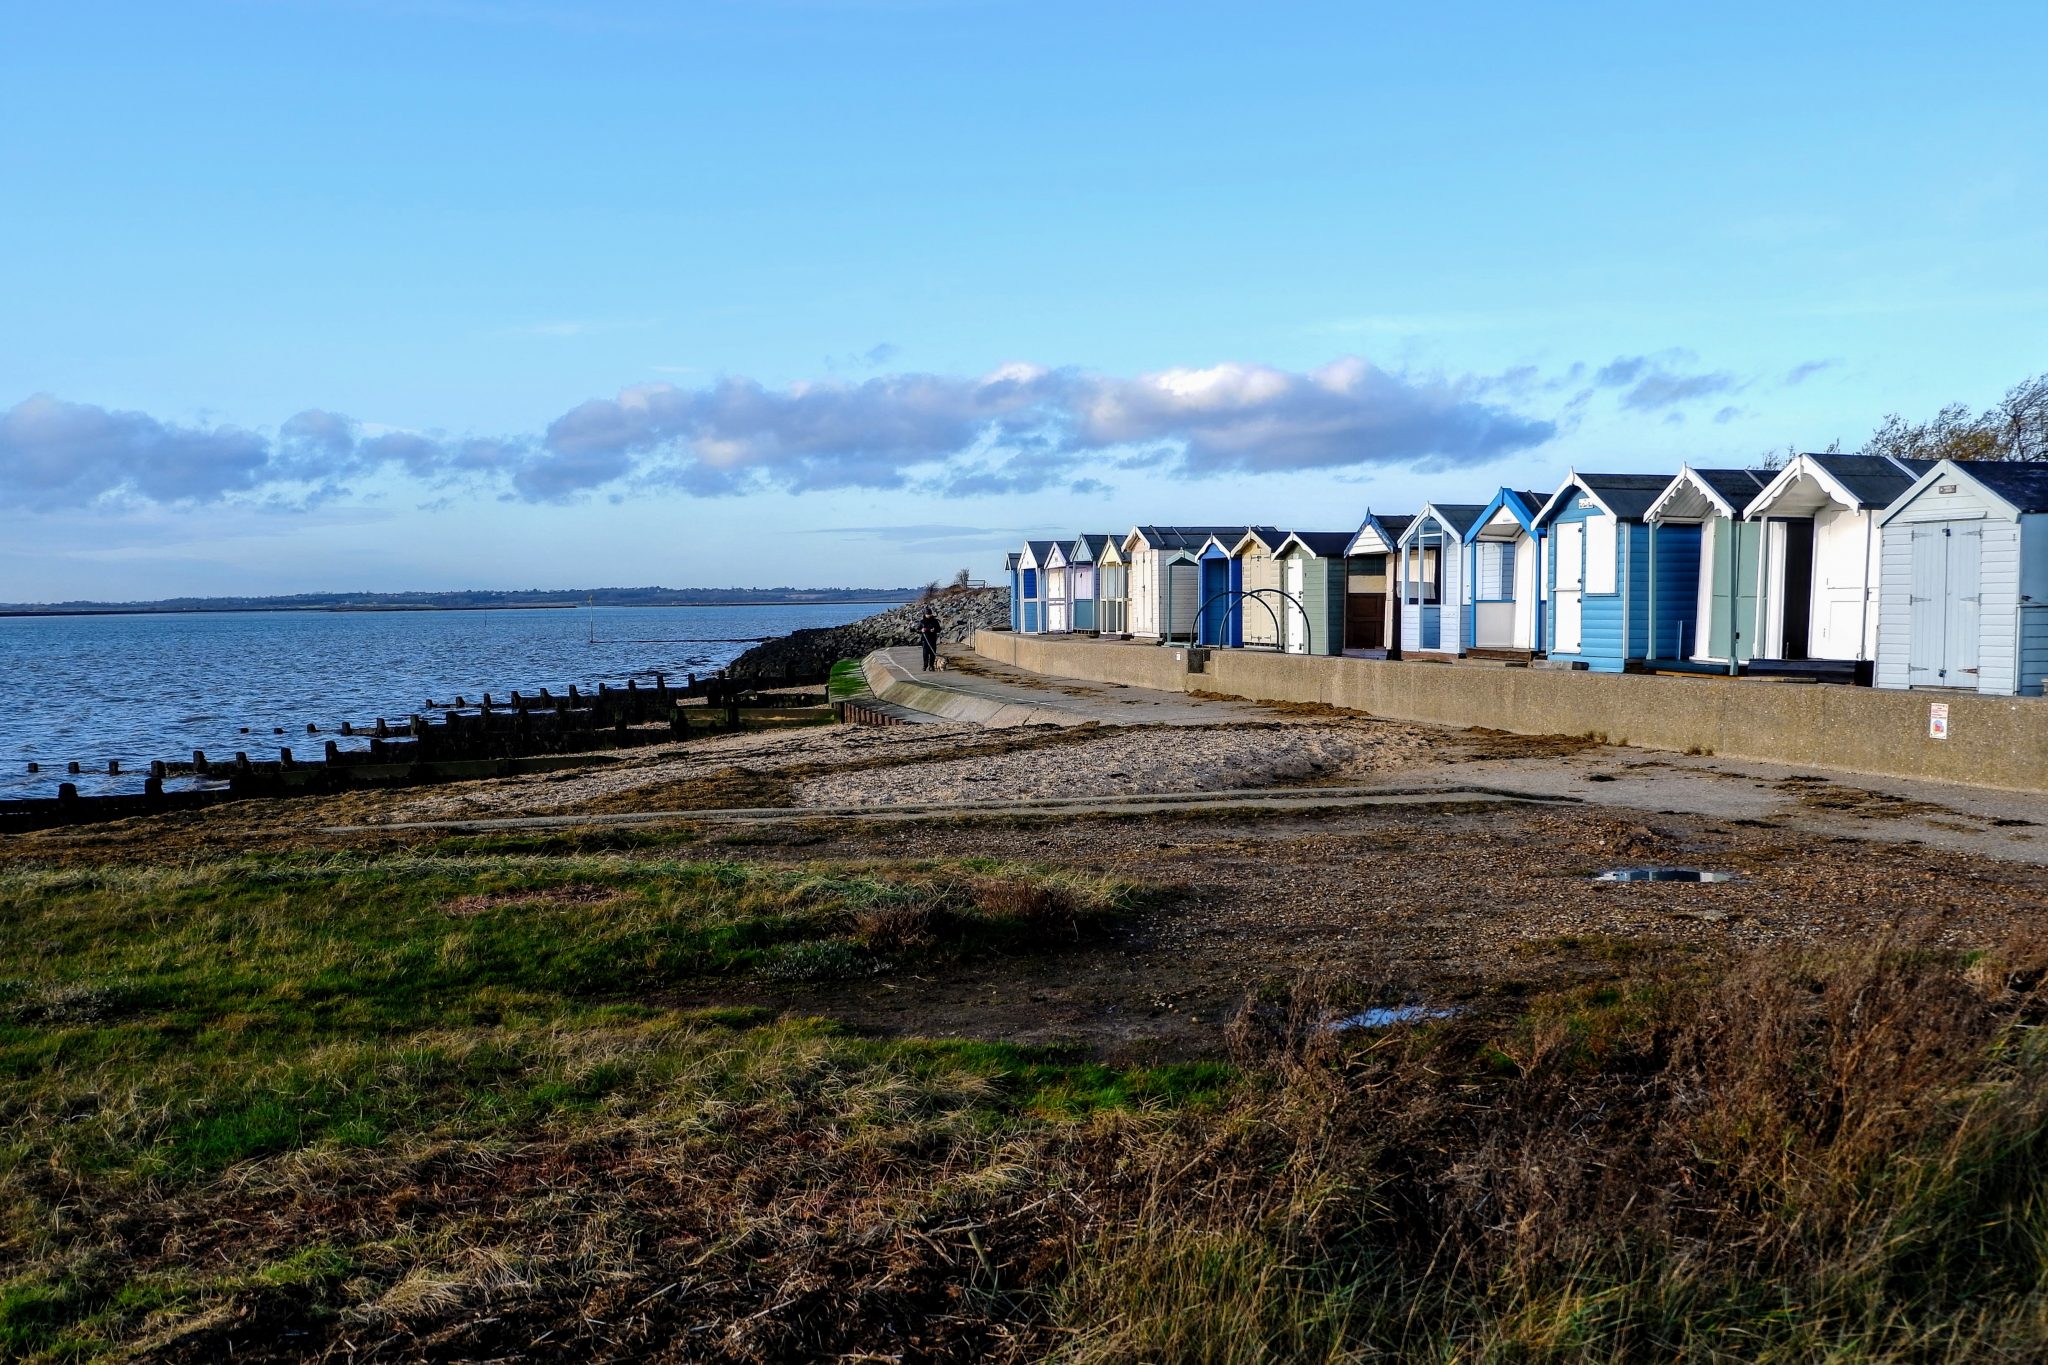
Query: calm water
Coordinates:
[137,688]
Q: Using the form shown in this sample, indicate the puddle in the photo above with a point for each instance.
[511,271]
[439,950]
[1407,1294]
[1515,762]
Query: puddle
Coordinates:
[1389,1015]
[1664,874]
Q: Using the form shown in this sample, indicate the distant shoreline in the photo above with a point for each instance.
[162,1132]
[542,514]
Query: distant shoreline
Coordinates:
[373,608]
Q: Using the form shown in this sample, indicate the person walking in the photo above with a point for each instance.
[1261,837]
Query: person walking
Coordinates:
[928,635]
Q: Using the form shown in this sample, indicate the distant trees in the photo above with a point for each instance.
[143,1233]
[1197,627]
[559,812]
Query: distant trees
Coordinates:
[2013,428]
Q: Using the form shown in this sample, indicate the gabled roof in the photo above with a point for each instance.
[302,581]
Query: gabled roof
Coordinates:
[1857,482]
[1217,543]
[1267,538]
[1722,492]
[1035,552]
[1518,503]
[1181,537]
[1626,497]
[2021,485]
[1055,556]
[1089,545]
[1010,561]
[1387,529]
[1456,517]
[1320,544]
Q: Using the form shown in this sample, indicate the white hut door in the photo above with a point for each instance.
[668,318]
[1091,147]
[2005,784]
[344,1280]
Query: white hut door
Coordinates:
[1965,591]
[1569,541]
[1523,589]
[1942,614]
[1293,582]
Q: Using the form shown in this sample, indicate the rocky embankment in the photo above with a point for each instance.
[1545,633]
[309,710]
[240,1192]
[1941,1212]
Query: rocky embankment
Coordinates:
[811,653]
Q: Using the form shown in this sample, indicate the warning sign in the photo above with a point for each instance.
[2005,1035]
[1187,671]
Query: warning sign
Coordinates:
[1937,720]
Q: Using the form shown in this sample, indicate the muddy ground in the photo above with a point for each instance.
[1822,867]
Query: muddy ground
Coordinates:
[1445,903]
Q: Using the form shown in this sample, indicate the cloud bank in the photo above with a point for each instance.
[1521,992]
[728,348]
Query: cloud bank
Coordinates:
[1018,428]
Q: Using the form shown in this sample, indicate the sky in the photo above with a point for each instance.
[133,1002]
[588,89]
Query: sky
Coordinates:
[304,295]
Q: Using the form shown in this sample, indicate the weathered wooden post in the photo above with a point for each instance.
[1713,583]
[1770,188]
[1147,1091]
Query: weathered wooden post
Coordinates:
[333,753]
[284,758]
[348,727]
[242,762]
[153,787]
[34,766]
[199,762]
[67,793]
[113,767]
[383,730]
[159,770]
[73,768]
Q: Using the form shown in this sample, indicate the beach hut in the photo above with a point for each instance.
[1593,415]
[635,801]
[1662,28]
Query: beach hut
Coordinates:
[1031,585]
[1817,580]
[1016,578]
[1429,578]
[1504,588]
[1084,580]
[1716,576]
[1219,622]
[1371,608]
[1315,571]
[1596,551]
[1112,589]
[1056,589]
[1963,569]
[1258,580]
[1165,577]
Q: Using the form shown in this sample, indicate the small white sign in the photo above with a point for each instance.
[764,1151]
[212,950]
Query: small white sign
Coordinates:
[1937,720]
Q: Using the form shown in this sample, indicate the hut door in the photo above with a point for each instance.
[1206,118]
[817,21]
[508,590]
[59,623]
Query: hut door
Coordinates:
[1942,631]
[1570,542]
[1293,582]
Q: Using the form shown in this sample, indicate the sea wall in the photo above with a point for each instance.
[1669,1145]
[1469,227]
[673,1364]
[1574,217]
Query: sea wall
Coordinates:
[811,653]
[1992,741]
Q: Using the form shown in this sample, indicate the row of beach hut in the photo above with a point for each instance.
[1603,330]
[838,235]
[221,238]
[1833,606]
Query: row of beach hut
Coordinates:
[1845,568]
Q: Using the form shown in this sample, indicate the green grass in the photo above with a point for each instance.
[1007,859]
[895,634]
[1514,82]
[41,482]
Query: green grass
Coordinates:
[486,1096]
[847,680]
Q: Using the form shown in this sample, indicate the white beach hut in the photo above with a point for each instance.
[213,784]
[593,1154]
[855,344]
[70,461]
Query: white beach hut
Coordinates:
[1817,580]
[1963,602]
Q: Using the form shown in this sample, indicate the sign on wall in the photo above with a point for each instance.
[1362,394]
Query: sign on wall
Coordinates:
[1937,720]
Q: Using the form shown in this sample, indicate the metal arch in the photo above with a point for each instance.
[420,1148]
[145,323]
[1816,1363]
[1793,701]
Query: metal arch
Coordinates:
[1308,631]
[1256,595]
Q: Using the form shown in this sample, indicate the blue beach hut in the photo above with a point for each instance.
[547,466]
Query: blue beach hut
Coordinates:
[1710,596]
[1016,589]
[1503,577]
[1221,623]
[1031,565]
[1596,550]
[1430,579]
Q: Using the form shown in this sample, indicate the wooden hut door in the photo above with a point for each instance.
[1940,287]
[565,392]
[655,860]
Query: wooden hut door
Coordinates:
[1294,582]
[1569,541]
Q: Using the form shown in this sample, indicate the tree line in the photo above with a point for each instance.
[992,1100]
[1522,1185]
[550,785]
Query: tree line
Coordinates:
[2013,428]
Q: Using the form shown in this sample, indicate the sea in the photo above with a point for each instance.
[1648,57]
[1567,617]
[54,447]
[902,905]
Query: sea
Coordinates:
[132,689]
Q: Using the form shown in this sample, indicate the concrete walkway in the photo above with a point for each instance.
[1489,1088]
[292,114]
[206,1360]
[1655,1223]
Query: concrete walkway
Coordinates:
[1989,821]
[984,692]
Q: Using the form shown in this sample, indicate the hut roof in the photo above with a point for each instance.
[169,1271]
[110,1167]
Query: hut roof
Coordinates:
[1186,537]
[1323,544]
[2020,485]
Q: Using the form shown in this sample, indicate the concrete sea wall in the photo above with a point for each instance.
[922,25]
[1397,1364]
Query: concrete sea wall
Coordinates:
[1992,741]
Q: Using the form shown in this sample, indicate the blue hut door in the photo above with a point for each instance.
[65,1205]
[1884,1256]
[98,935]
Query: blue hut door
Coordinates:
[1570,542]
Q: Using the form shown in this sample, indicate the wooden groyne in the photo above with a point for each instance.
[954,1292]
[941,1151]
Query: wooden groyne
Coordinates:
[492,737]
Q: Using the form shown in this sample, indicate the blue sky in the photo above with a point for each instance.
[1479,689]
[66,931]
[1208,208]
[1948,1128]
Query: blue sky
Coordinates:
[300,295]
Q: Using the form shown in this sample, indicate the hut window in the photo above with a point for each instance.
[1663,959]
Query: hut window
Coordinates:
[1600,556]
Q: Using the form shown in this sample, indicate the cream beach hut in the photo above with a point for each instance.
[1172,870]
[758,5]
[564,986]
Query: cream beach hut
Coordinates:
[1372,612]
[1817,580]
[1165,577]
